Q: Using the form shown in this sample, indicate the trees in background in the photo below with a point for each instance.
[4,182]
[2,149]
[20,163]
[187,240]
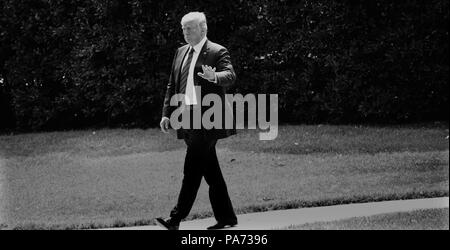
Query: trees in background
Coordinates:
[74,64]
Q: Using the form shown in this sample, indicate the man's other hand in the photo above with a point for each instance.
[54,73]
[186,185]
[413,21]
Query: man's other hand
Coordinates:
[164,124]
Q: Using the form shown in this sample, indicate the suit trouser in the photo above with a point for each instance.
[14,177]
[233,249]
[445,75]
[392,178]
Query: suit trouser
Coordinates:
[201,161]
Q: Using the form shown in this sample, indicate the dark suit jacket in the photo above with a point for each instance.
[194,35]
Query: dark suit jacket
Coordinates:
[214,55]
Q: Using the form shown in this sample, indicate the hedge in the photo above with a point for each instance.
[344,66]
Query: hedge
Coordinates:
[67,64]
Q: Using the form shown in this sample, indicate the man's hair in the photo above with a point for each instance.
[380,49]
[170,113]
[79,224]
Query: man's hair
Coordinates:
[198,16]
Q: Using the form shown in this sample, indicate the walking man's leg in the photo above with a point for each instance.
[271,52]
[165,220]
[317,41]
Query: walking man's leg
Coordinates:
[218,193]
[191,182]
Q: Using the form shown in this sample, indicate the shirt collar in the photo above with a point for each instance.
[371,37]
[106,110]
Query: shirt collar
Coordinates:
[199,45]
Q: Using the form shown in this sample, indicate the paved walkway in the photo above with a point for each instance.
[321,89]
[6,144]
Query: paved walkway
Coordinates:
[284,218]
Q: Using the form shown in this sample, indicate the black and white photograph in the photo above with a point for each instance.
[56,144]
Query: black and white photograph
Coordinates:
[224,121]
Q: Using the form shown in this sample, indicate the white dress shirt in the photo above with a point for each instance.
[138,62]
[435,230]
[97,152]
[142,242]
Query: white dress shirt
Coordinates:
[190,96]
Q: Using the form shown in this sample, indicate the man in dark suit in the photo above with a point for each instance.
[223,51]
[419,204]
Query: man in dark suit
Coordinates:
[200,63]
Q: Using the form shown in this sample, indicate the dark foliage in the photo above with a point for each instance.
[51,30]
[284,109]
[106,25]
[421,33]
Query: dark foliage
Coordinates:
[73,63]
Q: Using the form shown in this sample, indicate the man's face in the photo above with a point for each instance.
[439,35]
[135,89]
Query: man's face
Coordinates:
[192,32]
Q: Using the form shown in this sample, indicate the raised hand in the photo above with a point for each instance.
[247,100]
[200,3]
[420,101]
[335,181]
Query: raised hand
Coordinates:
[209,73]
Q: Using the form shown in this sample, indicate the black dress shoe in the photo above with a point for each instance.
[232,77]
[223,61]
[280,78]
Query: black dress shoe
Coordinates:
[168,224]
[222,225]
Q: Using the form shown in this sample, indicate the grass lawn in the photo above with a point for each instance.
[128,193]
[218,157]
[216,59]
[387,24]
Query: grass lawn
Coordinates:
[118,177]
[429,219]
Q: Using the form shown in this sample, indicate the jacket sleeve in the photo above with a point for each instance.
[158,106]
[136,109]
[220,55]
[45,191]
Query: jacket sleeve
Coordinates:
[224,70]
[170,90]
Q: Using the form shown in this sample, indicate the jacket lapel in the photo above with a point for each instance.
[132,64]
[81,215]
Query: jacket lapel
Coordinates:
[201,61]
[178,63]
